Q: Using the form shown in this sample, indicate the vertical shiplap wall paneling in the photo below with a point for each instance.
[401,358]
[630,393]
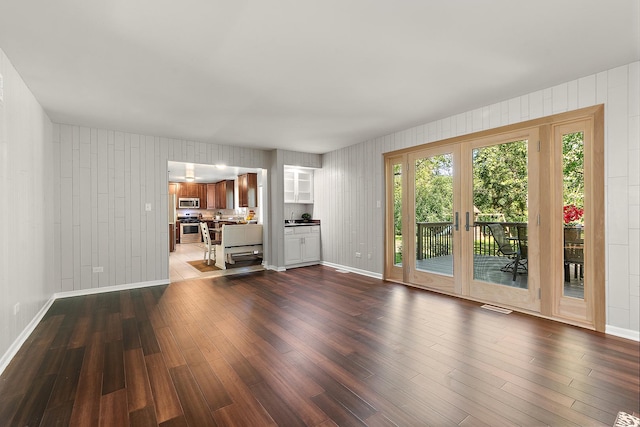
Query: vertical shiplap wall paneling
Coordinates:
[107,178]
[120,226]
[102,209]
[74,211]
[618,89]
[85,210]
[28,146]
[128,248]
[134,207]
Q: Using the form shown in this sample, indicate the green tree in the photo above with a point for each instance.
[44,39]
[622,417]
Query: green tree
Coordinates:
[500,180]
[434,189]
[573,169]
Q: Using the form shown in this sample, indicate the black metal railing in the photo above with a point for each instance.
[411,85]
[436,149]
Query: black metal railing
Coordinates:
[434,239]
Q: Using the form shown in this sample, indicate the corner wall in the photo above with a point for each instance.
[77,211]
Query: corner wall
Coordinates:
[27,197]
[351,180]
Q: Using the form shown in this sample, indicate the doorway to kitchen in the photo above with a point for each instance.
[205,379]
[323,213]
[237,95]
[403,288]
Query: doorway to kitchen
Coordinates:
[214,194]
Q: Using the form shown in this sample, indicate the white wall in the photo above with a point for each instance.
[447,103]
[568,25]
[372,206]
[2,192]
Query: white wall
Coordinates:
[351,181]
[106,178]
[27,239]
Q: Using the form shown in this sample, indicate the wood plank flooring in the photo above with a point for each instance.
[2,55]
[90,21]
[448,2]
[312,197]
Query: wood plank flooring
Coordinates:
[310,346]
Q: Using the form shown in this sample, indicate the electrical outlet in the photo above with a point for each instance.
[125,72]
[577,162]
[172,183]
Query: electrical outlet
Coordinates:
[358,255]
[147,207]
[368,256]
[98,269]
[16,308]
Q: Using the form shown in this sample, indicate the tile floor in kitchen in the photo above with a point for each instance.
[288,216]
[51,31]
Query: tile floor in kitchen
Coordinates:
[179,269]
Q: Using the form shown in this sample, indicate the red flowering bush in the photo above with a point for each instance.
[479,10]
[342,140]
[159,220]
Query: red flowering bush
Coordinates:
[572,213]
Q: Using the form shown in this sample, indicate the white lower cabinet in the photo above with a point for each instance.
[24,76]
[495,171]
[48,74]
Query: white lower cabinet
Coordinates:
[302,245]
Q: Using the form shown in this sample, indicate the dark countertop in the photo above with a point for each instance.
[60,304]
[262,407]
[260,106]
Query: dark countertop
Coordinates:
[301,222]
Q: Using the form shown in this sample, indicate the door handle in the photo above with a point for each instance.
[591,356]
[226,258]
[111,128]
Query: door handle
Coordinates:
[456,223]
[466,226]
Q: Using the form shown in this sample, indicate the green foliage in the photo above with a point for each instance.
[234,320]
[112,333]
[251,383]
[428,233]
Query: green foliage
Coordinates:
[434,189]
[573,169]
[500,180]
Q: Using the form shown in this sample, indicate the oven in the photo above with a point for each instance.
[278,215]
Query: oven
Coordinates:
[189,232]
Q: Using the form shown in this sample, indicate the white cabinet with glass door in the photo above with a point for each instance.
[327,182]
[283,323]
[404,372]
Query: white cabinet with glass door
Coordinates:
[298,185]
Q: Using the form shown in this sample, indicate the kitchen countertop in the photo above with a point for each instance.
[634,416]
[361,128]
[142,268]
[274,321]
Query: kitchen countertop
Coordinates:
[301,223]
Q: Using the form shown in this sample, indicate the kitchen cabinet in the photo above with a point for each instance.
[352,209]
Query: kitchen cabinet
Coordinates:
[224,198]
[301,245]
[248,190]
[298,185]
[189,190]
[220,195]
[211,196]
[172,237]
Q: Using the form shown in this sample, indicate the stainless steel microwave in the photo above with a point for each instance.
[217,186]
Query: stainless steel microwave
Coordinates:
[189,203]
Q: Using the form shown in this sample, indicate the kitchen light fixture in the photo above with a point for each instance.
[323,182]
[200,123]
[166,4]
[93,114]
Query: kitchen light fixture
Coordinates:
[189,174]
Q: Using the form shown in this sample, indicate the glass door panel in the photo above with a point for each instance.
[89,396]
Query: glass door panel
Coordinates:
[397,215]
[395,211]
[434,214]
[431,200]
[573,214]
[500,209]
[499,238]
[573,210]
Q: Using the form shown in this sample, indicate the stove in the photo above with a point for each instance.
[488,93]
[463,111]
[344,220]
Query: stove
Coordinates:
[188,219]
[189,229]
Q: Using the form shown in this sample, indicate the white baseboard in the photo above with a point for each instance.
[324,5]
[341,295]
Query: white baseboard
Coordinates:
[623,333]
[13,349]
[19,341]
[353,270]
[114,288]
[274,268]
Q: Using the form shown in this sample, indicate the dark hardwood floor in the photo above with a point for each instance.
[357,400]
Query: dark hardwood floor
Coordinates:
[310,346]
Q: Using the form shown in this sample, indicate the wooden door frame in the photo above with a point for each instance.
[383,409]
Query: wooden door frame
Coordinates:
[594,203]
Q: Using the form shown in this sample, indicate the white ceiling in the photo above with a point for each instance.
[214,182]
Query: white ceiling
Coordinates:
[177,172]
[305,75]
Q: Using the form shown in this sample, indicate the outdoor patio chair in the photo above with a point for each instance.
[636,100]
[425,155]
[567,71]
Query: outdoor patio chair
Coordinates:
[505,248]
[573,252]
[523,248]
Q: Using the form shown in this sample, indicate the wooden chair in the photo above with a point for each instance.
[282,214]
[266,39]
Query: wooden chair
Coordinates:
[209,245]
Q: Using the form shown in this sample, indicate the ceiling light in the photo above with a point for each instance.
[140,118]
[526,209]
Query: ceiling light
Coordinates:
[189,172]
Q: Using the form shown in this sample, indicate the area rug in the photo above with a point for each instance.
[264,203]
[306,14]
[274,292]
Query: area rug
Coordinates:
[626,420]
[201,265]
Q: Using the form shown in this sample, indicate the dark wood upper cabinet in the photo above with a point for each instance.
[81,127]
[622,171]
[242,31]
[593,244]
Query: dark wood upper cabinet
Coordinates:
[248,190]
[224,194]
[211,196]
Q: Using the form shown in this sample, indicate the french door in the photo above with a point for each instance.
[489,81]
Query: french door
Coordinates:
[484,217]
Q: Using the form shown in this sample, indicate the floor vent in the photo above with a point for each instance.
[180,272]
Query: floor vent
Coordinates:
[498,309]
[341,271]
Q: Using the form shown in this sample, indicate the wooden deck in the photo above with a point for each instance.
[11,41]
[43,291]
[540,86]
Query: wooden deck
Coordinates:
[487,268]
[310,346]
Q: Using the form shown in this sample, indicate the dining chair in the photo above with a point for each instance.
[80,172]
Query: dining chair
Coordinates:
[209,246]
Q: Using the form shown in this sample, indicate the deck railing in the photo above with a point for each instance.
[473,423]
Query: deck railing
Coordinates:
[434,239]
